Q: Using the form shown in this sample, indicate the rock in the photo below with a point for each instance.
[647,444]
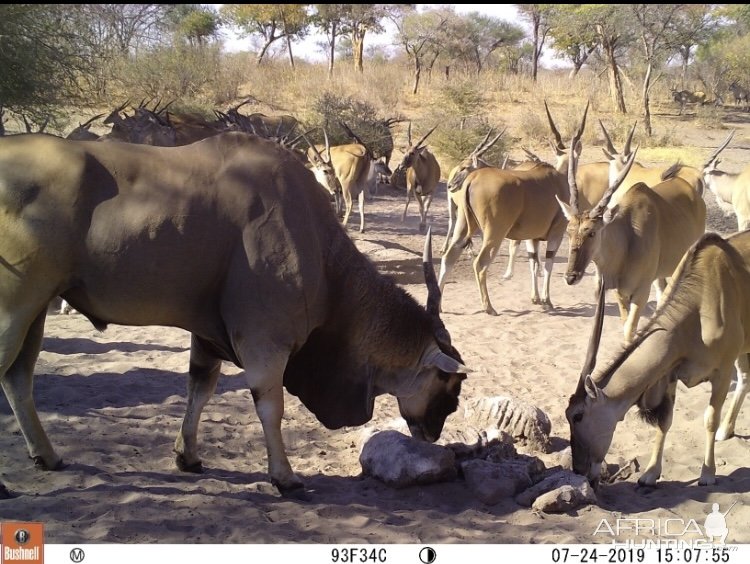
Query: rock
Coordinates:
[565,459]
[401,461]
[496,444]
[522,421]
[621,471]
[491,482]
[565,498]
[562,482]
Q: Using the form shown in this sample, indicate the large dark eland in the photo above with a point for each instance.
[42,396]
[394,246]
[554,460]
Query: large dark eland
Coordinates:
[232,239]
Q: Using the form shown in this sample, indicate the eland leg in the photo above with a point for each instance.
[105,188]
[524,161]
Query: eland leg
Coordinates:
[19,351]
[719,388]
[727,425]
[348,204]
[549,263]
[532,250]
[637,303]
[420,203]
[265,377]
[203,376]
[65,308]
[623,303]
[461,239]
[512,252]
[406,207]
[423,211]
[666,413]
[361,201]
[660,284]
[452,209]
[482,262]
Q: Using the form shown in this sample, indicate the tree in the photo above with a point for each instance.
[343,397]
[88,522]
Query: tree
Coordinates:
[328,18]
[539,16]
[270,21]
[129,27]
[357,20]
[195,23]
[43,53]
[417,33]
[654,28]
[573,35]
[474,37]
[612,28]
[693,25]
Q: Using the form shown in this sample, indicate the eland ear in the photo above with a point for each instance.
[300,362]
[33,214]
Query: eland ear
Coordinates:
[608,154]
[437,358]
[566,209]
[592,390]
[610,213]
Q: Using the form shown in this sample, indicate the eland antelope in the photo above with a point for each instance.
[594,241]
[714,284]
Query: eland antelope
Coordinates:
[731,190]
[510,204]
[459,173]
[637,241]
[82,132]
[418,173]
[741,95]
[639,173]
[683,97]
[700,331]
[354,174]
[120,230]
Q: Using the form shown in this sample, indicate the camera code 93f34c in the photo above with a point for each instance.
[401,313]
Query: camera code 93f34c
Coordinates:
[355,554]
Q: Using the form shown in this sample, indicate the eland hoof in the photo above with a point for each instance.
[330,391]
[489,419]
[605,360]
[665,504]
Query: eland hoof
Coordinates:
[648,480]
[40,464]
[4,493]
[724,434]
[708,478]
[295,490]
[184,466]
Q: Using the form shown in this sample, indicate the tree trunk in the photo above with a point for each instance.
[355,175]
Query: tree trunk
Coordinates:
[289,48]
[685,54]
[430,66]
[575,70]
[333,50]
[358,45]
[580,60]
[259,58]
[646,108]
[537,50]
[287,36]
[615,81]
[417,74]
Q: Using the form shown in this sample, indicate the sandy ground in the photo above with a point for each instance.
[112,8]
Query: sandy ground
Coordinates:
[112,404]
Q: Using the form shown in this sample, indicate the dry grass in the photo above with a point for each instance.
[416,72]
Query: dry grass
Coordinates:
[464,106]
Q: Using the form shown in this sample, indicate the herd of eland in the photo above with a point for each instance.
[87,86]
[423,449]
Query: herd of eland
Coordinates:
[115,224]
